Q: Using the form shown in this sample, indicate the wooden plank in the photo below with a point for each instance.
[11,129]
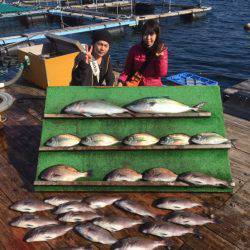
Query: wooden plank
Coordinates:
[210,240]
[127,148]
[240,156]
[131,116]
[235,219]
[240,171]
[237,121]
[108,183]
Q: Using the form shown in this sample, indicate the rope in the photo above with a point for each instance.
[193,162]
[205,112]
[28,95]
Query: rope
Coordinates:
[6,101]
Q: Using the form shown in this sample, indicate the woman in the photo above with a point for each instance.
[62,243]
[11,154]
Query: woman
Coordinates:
[147,61]
[94,68]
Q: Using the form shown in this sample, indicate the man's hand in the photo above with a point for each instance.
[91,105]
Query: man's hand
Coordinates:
[88,56]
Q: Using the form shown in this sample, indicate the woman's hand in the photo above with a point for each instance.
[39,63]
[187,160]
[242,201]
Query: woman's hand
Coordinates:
[88,56]
[160,50]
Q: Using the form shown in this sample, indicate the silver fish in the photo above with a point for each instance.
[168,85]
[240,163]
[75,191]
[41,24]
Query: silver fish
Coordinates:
[93,107]
[167,229]
[31,205]
[141,139]
[159,174]
[99,140]
[200,179]
[63,173]
[58,200]
[73,206]
[138,243]
[188,218]
[78,216]
[95,234]
[123,174]
[134,207]
[46,233]
[100,201]
[161,105]
[32,221]
[208,139]
[175,203]
[64,140]
[175,139]
[115,223]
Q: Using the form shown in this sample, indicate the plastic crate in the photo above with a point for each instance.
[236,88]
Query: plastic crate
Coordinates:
[189,79]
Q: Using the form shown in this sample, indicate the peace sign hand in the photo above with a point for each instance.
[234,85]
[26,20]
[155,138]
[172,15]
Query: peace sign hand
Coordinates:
[88,56]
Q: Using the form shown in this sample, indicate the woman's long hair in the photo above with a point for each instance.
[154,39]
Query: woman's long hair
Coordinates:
[151,27]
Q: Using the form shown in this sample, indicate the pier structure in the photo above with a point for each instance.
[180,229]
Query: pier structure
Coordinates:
[103,19]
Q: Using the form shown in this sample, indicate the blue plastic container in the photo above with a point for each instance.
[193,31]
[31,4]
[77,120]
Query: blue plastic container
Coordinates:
[189,79]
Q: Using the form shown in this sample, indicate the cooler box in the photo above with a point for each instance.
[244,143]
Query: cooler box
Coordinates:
[189,79]
[51,64]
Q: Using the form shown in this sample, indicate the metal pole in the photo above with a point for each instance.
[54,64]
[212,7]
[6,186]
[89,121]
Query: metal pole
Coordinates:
[131,8]
[169,6]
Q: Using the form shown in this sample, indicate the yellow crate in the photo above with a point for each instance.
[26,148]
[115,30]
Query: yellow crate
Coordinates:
[46,70]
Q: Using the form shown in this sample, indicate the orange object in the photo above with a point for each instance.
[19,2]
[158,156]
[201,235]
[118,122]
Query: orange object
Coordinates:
[135,80]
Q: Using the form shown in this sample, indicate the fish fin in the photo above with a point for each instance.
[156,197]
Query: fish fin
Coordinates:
[87,114]
[197,234]
[112,115]
[198,106]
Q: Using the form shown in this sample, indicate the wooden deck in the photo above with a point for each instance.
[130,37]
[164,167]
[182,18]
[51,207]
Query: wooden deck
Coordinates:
[19,143]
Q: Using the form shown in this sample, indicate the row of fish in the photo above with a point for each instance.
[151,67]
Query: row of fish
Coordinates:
[166,175]
[68,173]
[148,105]
[140,139]
[98,227]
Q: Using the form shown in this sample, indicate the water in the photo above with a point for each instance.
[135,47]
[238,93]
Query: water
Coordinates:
[215,45]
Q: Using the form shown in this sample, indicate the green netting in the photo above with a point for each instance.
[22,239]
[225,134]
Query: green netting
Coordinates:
[214,161]
[7,8]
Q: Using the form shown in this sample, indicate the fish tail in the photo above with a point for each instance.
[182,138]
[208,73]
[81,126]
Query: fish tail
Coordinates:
[198,106]
[160,218]
[217,221]
[232,184]
[167,243]
[197,234]
[63,111]
[131,113]
[89,173]
[205,204]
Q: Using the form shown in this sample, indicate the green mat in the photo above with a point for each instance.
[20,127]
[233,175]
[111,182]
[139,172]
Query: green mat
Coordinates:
[213,161]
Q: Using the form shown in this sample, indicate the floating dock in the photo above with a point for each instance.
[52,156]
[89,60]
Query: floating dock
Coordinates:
[68,31]
[111,21]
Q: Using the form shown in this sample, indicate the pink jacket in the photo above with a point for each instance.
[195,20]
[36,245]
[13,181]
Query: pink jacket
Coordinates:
[157,68]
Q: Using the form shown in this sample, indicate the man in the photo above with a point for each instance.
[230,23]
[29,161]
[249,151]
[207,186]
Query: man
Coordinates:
[94,68]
